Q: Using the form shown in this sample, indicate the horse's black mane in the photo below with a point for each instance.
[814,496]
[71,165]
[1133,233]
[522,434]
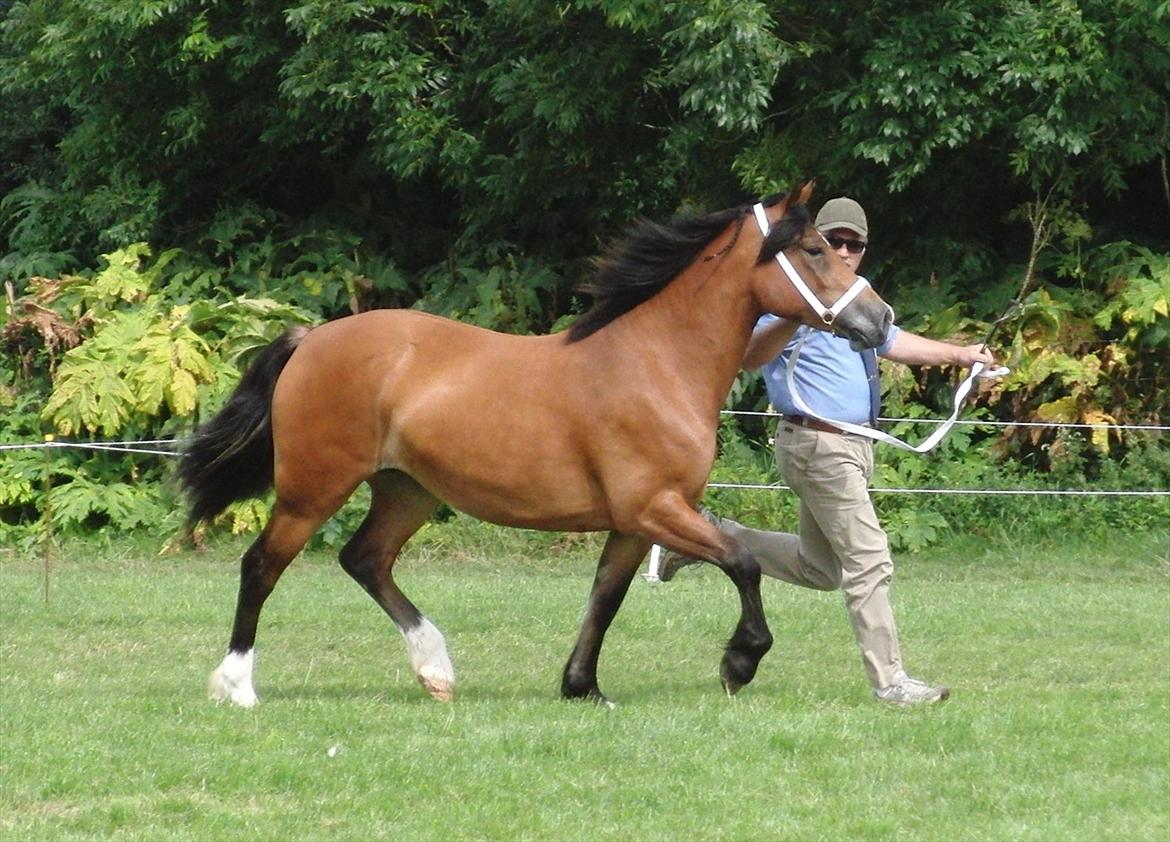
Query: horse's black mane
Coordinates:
[651,255]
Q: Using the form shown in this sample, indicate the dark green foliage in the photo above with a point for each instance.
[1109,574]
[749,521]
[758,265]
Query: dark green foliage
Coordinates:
[300,162]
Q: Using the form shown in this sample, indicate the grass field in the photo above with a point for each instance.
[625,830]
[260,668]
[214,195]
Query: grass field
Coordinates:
[1059,726]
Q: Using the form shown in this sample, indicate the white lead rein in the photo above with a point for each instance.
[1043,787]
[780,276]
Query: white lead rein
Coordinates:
[978,370]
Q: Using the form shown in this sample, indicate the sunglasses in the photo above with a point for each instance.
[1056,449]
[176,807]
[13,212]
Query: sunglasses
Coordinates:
[854,246]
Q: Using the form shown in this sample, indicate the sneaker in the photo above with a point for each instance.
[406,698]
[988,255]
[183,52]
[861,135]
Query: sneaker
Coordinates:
[672,562]
[907,692]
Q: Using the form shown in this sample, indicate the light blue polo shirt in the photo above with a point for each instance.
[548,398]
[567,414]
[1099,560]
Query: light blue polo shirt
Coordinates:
[829,375]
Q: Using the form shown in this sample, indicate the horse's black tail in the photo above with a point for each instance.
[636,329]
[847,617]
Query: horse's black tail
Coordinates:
[230,457]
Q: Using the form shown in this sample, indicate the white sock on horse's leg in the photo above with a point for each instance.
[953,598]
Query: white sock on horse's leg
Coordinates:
[232,680]
[428,657]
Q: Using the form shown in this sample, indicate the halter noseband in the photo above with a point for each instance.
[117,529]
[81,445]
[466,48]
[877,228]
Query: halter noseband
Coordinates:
[828,314]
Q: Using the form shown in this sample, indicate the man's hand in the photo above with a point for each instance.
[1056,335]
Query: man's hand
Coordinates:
[768,341]
[968,355]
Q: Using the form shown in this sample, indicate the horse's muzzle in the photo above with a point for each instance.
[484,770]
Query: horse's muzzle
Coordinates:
[865,323]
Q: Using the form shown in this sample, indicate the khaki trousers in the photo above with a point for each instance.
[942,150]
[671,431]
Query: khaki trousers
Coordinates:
[840,545]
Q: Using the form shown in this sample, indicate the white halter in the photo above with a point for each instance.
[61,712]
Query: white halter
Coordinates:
[828,314]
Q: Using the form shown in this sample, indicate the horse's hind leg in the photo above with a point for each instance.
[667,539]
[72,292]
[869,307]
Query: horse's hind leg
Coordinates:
[619,561]
[260,568]
[398,508]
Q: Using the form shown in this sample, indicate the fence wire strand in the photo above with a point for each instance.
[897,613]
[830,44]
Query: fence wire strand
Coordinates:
[152,447]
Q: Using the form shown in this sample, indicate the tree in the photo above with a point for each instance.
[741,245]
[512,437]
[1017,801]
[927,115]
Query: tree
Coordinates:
[470,158]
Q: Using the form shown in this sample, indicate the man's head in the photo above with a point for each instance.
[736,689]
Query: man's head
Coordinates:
[842,222]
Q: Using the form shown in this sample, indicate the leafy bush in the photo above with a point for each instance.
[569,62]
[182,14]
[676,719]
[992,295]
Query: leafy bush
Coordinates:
[244,166]
[110,355]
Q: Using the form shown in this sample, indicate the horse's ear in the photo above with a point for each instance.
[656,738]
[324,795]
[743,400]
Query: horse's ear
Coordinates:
[802,192]
[798,195]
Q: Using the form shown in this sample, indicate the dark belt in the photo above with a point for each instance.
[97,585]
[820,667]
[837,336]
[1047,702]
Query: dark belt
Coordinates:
[811,424]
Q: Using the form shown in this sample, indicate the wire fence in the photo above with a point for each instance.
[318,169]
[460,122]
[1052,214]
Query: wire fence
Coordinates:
[981,423]
[991,492]
[173,447]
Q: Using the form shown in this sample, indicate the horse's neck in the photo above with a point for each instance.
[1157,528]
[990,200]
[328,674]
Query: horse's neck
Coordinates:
[696,330]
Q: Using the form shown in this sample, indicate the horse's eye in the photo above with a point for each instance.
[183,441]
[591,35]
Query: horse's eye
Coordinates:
[815,251]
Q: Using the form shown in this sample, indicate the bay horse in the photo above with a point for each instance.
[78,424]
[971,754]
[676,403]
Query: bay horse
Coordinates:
[609,426]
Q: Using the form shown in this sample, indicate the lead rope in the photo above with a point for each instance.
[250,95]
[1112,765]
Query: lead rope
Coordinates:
[977,370]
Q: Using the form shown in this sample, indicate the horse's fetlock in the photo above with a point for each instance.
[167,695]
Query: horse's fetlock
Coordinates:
[751,641]
[760,643]
[577,685]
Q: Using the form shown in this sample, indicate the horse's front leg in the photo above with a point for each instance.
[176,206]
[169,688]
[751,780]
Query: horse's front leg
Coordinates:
[679,527]
[619,561]
[751,639]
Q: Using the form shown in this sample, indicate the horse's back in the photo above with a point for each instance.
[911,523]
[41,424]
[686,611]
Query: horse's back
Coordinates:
[481,419]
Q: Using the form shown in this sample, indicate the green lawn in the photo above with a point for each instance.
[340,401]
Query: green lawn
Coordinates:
[1058,654]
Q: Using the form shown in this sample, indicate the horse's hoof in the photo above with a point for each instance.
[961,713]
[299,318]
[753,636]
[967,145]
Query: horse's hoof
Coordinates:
[598,698]
[732,683]
[604,703]
[736,670]
[439,689]
[731,688]
[432,664]
[239,697]
[592,695]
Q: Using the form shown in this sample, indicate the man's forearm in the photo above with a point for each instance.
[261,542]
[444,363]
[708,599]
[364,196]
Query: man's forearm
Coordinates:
[767,342]
[912,349]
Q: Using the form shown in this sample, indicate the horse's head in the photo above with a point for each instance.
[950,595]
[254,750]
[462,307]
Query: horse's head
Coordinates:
[799,277]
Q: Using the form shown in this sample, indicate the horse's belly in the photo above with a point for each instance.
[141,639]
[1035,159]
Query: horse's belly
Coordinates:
[501,463]
[514,498]
[529,515]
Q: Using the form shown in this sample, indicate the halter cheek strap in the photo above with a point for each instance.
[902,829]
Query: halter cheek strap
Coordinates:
[828,314]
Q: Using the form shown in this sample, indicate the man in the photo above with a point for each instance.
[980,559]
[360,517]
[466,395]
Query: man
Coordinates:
[841,543]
